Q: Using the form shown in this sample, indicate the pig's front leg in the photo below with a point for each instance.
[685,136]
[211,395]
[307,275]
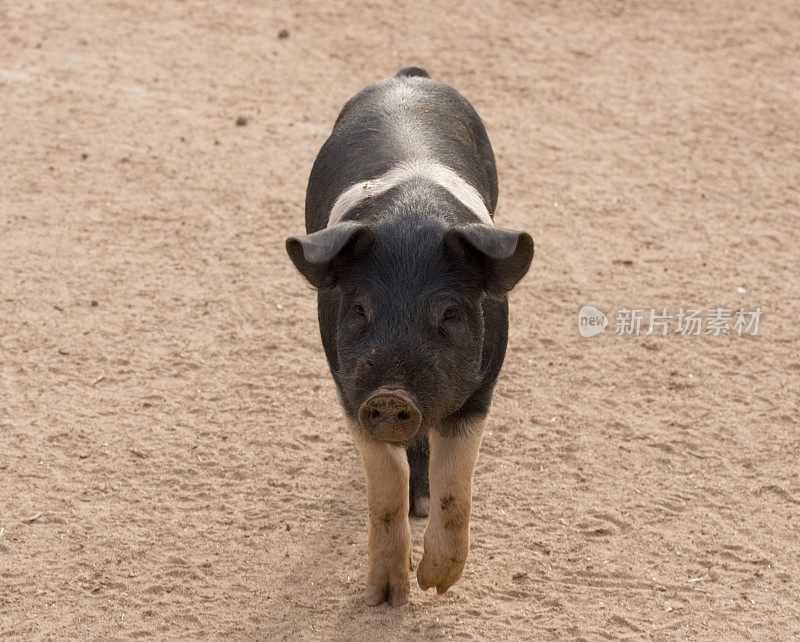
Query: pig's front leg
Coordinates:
[447,536]
[387,472]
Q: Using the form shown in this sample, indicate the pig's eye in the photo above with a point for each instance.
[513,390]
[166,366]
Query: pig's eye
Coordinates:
[450,318]
[450,314]
[358,319]
[449,322]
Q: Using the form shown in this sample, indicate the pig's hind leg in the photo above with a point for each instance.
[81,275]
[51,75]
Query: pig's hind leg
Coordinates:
[419,492]
[453,457]
[387,472]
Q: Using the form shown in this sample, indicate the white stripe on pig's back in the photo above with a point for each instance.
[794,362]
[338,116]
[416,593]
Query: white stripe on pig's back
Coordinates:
[425,169]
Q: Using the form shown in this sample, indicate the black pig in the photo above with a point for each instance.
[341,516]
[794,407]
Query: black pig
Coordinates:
[412,279]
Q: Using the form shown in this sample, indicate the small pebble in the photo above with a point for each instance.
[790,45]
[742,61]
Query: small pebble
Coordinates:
[241,121]
[283,34]
[93,303]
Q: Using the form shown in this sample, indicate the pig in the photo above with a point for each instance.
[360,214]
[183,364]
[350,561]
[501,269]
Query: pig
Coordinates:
[412,281]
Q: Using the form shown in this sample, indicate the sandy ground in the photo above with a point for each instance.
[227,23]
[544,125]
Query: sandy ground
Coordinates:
[173,462]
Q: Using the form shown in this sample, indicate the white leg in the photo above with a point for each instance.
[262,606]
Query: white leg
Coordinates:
[387,471]
[447,536]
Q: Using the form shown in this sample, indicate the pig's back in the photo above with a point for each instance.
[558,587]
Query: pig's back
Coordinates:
[395,121]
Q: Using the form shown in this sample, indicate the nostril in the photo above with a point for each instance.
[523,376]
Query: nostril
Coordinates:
[390,415]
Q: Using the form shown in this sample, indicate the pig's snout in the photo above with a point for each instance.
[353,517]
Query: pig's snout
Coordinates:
[390,415]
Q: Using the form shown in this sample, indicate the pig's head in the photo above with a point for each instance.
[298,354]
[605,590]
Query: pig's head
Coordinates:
[409,325]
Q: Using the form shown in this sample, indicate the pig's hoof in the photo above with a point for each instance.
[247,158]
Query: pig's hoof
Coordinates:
[394,593]
[420,506]
[440,568]
[388,585]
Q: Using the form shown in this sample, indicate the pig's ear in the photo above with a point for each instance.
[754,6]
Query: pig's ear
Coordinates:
[320,256]
[501,257]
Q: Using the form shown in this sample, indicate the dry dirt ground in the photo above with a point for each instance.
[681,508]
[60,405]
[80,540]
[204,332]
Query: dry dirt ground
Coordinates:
[173,462]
